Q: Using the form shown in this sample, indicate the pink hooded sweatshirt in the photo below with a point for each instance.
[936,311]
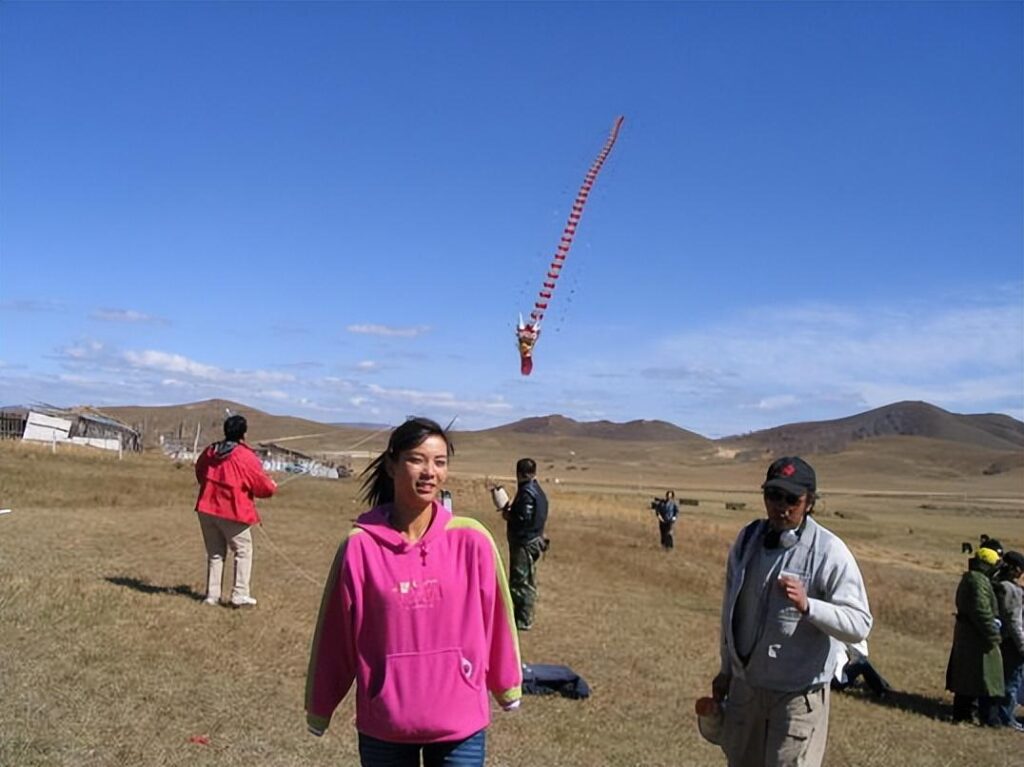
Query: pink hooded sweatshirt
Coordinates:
[424,629]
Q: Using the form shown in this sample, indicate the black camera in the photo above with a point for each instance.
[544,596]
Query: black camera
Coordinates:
[657,503]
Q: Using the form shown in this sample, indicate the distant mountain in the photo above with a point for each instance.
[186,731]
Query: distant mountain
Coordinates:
[1002,426]
[181,421]
[631,431]
[989,431]
[911,419]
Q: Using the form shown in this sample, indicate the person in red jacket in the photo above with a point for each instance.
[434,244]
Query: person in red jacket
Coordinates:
[230,475]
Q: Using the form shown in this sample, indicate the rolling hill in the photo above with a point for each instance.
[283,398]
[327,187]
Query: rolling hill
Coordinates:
[209,416]
[913,438]
[908,419]
[631,431]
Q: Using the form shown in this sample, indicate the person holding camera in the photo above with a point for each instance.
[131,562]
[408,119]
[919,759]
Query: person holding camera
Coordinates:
[666,510]
[526,517]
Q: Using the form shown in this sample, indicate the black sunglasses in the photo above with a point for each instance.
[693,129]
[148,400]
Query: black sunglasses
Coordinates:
[775,494]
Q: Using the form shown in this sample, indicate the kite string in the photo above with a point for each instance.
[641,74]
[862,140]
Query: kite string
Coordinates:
[280,552]
[277,549]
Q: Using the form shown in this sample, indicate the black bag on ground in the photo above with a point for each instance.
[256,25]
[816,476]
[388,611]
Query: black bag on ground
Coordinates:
[547,679]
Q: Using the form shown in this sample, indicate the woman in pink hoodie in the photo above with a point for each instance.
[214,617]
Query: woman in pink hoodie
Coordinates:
[417,613]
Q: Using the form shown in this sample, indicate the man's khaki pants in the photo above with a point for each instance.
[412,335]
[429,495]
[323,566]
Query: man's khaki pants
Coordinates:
[219,534]
[767,728]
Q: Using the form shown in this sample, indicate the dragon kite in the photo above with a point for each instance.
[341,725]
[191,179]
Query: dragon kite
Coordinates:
[527,333]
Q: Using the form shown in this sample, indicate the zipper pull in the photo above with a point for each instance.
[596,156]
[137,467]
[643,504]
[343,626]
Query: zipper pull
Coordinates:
[423,554]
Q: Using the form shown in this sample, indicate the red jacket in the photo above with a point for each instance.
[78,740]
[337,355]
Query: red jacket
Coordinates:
[230,475]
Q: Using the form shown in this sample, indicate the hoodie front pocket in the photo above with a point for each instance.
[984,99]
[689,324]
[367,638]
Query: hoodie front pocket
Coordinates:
[429,695]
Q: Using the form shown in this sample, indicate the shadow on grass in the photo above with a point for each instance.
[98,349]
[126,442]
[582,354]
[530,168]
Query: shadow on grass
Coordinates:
[933,708]
[138,584]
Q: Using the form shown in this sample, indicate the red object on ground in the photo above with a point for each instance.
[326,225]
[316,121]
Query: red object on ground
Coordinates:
[199,740]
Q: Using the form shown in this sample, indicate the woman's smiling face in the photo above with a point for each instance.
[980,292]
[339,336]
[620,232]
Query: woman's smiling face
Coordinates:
[420,472]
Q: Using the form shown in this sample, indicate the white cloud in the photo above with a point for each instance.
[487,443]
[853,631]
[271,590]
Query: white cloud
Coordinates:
[275,394]
[777,402]
[166,362]
[32,305]
[367,365]
[83,350]
[128,316]
[388,331]
[441,400]
[812,361]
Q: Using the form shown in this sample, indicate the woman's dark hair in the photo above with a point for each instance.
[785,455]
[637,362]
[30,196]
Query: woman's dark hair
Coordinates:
[378,486]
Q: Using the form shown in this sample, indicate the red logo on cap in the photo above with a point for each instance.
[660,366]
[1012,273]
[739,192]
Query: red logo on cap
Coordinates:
[788,470]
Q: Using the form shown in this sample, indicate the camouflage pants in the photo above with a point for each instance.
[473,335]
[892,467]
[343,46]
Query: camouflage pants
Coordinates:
[522,580]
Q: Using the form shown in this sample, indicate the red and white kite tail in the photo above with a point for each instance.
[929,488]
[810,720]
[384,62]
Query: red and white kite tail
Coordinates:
[558,261]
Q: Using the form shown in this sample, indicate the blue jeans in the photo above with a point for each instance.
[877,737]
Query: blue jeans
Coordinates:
[456,753]
[1014,677]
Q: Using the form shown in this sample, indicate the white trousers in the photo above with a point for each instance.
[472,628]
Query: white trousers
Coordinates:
[219,535]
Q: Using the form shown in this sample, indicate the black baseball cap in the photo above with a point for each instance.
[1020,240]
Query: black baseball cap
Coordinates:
[792,474]
[1014,558]
[991,543]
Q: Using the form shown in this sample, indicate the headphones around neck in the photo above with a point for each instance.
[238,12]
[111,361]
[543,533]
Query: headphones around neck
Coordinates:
[785,539]
[788,539]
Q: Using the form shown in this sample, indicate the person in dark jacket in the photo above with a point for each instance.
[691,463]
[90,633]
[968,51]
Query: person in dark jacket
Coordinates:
[667,513]
[526,515]
[975,669]
[1009,598]
[230,475]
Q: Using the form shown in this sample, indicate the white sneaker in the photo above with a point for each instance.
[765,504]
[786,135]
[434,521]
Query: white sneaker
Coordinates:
[211,601]
[243,601]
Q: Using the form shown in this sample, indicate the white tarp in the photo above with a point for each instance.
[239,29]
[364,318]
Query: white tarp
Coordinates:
[46,428]
[100,442]
[312,468]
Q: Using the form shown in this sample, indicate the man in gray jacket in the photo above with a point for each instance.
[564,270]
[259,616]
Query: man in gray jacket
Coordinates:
[1010,598]
[793,594]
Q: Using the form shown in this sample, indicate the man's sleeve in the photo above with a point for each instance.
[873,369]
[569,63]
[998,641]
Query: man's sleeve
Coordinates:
[1016,622]
[524,506]
[843,613]
[332,658]
[260,483]
[1008,597]
[723,638]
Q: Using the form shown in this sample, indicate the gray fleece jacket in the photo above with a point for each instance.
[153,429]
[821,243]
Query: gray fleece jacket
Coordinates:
[796,652]
[1010,597]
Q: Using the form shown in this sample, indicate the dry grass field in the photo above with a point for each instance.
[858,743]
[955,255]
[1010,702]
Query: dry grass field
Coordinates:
[108,657]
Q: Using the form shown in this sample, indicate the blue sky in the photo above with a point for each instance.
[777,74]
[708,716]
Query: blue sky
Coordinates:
[338,210]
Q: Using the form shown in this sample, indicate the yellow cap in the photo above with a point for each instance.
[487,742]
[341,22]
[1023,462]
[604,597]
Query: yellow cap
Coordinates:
[988,556]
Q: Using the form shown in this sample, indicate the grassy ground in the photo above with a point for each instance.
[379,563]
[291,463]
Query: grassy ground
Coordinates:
[107,656]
